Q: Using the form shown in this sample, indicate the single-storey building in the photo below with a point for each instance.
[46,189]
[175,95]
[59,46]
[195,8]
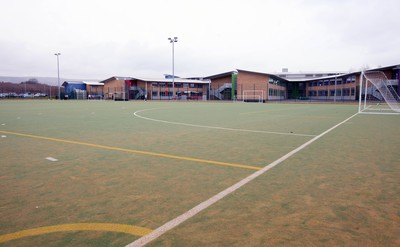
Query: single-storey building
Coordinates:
[83,89]
[133,88]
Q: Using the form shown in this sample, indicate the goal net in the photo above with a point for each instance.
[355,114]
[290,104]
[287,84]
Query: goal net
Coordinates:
[378,95]
[80,94]
[253,96]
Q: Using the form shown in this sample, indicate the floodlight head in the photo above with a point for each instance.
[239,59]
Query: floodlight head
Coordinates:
[57,54]
[172,40]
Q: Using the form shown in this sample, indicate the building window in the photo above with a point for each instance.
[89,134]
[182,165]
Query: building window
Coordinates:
[165,93]
[154,84]
[192,85]
[185,85]
[323,93]
[352,91]
[178,85]
[193,94]
[351,79]
[154,93]
[274,92]
[276,82]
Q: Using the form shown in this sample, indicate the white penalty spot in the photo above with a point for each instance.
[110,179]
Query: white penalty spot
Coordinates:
[51,159]
[3,136]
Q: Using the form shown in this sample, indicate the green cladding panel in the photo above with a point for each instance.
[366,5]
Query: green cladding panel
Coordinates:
[234,79]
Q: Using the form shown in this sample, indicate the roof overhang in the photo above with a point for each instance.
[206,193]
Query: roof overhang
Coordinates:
[225,74]
[169,80]
[65,83]
[93,83]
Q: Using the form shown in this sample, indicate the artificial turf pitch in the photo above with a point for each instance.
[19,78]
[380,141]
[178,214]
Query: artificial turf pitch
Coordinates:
[120,168]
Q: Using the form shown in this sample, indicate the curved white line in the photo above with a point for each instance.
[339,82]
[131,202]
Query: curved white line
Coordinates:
[213,127]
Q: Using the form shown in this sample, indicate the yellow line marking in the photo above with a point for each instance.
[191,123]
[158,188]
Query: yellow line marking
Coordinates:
[134,151]
[108,227]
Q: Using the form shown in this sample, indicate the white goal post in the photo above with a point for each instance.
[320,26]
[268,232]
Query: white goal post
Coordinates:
[378,94]
[253,96]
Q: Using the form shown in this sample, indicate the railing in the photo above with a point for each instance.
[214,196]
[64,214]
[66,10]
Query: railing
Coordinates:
[217,92]
[140,93]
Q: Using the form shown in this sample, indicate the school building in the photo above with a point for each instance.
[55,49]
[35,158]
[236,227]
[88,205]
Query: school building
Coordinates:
[243,85]
[235,85]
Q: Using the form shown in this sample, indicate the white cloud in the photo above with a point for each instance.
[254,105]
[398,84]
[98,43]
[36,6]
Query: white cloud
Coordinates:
[102,38]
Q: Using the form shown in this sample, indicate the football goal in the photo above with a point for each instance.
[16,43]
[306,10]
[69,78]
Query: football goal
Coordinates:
[253,96]
[378,94]
[80,94]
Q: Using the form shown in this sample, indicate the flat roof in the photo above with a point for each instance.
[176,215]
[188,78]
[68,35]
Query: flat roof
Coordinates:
[307,79]
[176,80]
[91,83]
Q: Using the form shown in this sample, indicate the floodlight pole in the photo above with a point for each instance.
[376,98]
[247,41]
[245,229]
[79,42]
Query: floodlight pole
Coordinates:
[58,74]
[173,40]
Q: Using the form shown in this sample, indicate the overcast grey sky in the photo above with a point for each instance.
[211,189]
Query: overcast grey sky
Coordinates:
[99,39]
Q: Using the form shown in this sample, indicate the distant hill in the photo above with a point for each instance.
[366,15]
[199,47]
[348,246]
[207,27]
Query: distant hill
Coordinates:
[41,80]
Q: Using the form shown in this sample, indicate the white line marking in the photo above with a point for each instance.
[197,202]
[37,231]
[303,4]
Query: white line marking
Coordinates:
[200,207]
[51,159]
[3,136]
[214,127]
